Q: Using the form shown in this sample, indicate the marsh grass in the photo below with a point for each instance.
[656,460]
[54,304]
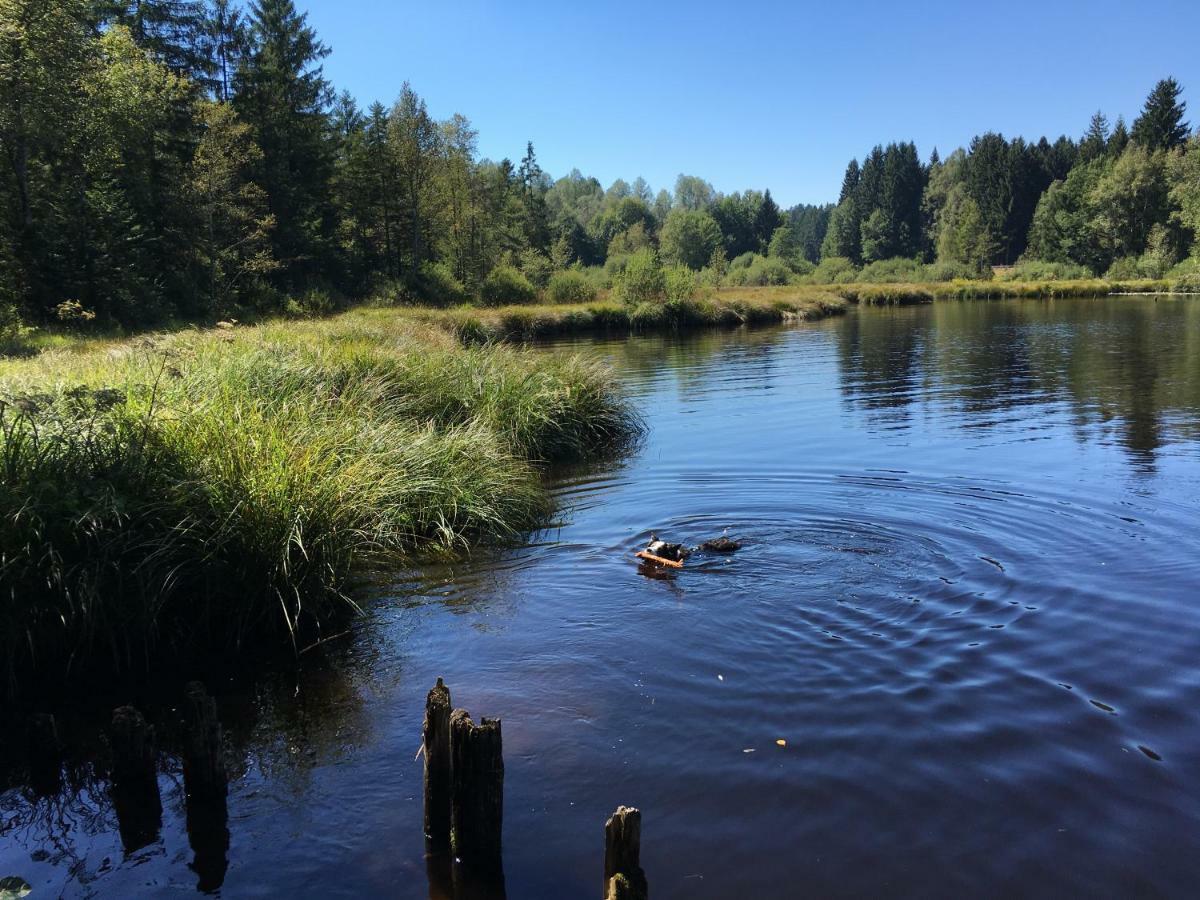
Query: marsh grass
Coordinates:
[213,490]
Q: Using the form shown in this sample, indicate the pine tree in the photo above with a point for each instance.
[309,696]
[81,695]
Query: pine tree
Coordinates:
[228,42]
[1161,125]
[1119,139]
[850,180]
[1095,139]
[173,30]
[533,197]
[281,92]
[766,220]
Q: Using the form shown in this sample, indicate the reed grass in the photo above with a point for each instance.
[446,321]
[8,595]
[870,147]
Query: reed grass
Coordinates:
[180,494]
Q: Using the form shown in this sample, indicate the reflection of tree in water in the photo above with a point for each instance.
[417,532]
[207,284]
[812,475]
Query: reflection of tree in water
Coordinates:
[1126,366]
[881,353]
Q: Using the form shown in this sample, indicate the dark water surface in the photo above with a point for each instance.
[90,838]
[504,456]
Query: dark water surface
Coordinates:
[969,603]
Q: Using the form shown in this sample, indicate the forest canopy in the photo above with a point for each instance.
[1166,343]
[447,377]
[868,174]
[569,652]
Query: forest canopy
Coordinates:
[188,159]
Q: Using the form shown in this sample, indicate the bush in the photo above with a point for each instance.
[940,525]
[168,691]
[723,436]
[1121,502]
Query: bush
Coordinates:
[897,270]
[761,271]
[641,280]
[437,286]
[614,266]
[1125,267]
[679,283]
[537,267]
[834,270]
[1041,270]
[570,286]
[953,271]
[505,285]
[744,261]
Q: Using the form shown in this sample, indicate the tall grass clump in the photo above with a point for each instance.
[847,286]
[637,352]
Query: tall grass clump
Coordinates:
[211,492]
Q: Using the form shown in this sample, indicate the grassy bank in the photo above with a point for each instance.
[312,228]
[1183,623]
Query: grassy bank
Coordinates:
[732,307]
[213,490]
[724,309]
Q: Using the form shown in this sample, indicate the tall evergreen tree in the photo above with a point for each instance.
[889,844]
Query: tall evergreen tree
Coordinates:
[282,93]
[849,180]
[533,196]
[228,37]
[1095,139]
[1119,139]
[1161,125]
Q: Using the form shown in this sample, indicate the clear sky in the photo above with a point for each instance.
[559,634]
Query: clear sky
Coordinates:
[757,94]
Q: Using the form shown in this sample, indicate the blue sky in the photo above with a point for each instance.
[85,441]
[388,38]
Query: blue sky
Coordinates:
[757,94]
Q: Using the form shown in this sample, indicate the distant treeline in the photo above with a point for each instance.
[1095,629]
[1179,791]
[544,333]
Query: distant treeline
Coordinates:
[188,159]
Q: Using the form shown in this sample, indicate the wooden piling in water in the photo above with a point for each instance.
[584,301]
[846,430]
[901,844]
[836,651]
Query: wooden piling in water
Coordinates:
[135,778]
[45,755]
[623,875]
[477,791]
[435,743]
[204,777]
[134,766]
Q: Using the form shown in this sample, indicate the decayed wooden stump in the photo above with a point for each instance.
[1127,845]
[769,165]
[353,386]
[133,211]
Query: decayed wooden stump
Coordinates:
[477,791]
[204,777]
[622,855]
[435,743]
[619,888]
[135,778]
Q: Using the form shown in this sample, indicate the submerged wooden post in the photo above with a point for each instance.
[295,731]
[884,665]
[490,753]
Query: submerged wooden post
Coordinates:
[135,778]
[477,791]
[623,875]
[435,743]
[45,755]
[204,777]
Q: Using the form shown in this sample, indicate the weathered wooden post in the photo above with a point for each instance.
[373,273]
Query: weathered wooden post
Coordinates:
[45,755]
[135,778]
[623,875]
[206,784]
[435,743]
[477,791]
[204,777]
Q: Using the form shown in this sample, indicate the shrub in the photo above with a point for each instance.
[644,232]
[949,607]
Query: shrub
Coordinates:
[679,283]
[950,270]
[834,270]
[1041,270]
[641,280]
[537,267]
[437,286]
[761,271]
[892,271]
[744,261]
[614,266]
[570,286]
[505,285]
[1126,267]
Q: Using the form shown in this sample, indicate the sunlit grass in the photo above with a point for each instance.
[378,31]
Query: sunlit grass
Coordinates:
[205,489]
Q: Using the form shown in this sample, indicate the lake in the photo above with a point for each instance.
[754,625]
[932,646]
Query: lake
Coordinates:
[957,655]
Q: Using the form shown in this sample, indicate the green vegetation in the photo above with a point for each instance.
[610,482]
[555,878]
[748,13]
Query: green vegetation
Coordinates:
[176,494]
[187,161]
